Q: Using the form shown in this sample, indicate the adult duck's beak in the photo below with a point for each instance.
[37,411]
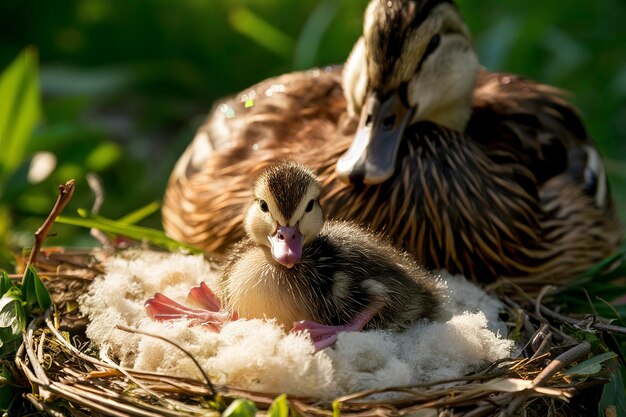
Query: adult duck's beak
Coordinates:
[371,158]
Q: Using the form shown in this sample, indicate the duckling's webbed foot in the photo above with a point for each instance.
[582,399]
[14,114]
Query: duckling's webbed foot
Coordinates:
[324,335]
[203,295]
[163,308]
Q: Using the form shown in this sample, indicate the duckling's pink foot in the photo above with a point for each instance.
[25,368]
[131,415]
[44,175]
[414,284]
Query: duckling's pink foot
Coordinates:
[321,334]
[203,295]
[163,308]
[324,335]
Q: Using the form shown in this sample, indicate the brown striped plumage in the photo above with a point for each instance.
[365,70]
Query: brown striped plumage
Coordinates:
[520,192]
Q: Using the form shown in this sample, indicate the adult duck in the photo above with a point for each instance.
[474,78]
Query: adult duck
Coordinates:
[484,174]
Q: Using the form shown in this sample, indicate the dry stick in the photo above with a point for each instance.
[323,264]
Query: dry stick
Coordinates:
[598,326]
[60,339]
[43,407]
[65,194]
[538,304]
[95,184]
[186,352]
[36,365]
[143,386]
[553,367]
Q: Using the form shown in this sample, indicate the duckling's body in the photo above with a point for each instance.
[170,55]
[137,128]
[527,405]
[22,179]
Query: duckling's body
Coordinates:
[327,277]
[342,270]
[480,173]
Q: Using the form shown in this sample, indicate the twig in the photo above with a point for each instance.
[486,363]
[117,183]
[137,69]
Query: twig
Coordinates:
[95,184]
[481,410]
[186,352]
[598,326]
[43,407]
[65,194]
[541,341]
[545,290]
[553,367]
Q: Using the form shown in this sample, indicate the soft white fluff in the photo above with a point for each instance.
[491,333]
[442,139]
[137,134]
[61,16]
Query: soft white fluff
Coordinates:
[258,354]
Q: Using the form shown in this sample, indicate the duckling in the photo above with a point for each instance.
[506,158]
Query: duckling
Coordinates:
[322,277]
[484,174]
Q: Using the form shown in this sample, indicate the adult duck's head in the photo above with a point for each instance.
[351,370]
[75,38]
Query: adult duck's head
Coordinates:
[415,62]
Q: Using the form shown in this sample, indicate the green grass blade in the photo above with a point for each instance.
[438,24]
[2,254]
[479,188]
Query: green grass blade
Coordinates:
[5,283]
[313,31]
[613,400]
[20,109]
[139,233]
[262,32]
[591,366]
[140,214]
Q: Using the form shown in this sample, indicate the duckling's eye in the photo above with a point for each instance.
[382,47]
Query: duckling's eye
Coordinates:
[432,45]
[263,205]
[309,206]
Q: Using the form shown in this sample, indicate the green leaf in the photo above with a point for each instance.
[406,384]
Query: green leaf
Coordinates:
[241,407]
[139,233]
[279,408]
[6,389]
[20,108]
[591,366]
[12,312]
[43,296]
[5,283]
[6,377]
[12,322]
[613,397]
[28,289]
[35,293]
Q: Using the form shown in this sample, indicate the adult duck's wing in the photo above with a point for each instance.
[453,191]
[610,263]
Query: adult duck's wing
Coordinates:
[537,122]
[544,132]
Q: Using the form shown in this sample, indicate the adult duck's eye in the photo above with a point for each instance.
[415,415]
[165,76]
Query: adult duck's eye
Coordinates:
[432,45]
[309,206]
[263,206]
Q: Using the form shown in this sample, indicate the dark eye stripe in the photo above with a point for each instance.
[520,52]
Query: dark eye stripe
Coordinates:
[432,45]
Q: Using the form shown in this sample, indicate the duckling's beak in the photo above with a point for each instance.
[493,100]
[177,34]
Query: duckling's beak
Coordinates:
[371,158]
[287,245]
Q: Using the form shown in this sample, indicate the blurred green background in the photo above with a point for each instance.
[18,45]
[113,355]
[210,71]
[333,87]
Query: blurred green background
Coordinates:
[124,84]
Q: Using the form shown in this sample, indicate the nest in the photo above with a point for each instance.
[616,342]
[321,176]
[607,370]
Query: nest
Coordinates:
[68,378]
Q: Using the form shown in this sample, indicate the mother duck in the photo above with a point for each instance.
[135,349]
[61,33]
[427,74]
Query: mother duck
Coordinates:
[484,174]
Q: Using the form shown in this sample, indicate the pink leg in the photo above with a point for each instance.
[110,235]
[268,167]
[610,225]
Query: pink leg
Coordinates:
[163,308]
[323,335]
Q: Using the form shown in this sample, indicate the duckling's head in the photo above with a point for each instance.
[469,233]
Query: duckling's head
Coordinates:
[285,214]
[415,62]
